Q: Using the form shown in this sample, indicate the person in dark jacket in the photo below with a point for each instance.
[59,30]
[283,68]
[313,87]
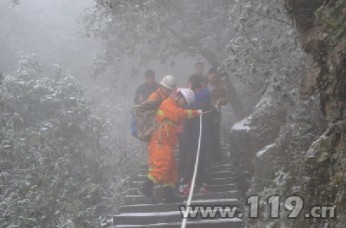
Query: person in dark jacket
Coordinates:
[190,136]
[219,97]
[147,88]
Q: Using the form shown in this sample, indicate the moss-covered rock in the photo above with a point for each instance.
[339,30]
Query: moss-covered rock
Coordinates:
[302,149]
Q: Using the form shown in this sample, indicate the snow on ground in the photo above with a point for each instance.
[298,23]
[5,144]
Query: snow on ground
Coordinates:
[242,125]
[264,150]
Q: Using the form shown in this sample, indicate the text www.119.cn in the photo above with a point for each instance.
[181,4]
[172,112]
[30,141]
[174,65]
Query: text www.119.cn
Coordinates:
[290,207]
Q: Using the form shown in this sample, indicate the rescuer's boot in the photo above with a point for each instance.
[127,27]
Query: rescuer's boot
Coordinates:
[146,188]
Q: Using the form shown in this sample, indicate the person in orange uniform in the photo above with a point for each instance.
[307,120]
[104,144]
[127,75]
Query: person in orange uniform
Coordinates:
[166,87]
[162,165]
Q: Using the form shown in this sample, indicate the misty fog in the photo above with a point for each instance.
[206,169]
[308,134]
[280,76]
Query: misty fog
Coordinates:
[69,71]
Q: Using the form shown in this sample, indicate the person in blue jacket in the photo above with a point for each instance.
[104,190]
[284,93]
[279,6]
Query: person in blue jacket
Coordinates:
[190,135]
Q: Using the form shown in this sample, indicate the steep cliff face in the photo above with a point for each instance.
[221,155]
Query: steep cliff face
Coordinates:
[294,142]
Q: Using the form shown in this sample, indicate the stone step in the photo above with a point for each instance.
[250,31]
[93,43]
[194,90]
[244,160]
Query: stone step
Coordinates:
[217,195]
[140,178]
[139,199]
[210,188]
[136,184]
[132,191]
[210,181]
[220,174]
[225,157]
[221,188]
[213,168]
[223,161]
[140,211]
[148,218]
[211,173]
[175,206]
[221,181]
[217,223]
[219,168]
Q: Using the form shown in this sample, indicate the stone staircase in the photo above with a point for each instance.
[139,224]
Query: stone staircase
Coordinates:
[140,211]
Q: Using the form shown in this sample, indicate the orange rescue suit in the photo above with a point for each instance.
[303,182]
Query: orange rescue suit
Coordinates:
[162,165]
[156,95]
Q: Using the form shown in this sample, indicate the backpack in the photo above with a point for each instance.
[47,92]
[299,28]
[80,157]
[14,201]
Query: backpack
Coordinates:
[143,119]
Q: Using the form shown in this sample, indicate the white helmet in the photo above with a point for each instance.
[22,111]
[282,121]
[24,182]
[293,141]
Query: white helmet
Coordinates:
[168,82]
[188,94]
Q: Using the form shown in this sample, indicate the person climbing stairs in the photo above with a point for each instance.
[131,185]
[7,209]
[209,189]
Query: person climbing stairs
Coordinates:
[141,211]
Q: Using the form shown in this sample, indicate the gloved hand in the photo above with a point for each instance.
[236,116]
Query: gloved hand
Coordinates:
[200,112]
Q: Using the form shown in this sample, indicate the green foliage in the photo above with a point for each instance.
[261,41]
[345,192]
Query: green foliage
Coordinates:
[263,46]
[157,30]
[51,161]
[253,40]
[332,18]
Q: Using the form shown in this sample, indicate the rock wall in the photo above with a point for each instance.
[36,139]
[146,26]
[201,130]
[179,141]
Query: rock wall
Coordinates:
[294,141]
